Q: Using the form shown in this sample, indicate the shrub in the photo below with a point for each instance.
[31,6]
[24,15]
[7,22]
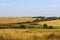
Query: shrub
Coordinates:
[50,27]
[36,20]
[45,26]
[18,23]
[22,26]
[28,22]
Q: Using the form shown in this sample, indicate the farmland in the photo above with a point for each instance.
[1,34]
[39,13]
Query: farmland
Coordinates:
[28,34]
[6,20]
[29,28]
[53,22]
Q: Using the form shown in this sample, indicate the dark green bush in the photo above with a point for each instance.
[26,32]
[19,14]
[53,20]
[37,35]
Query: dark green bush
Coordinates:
[50,27]
[45,26]
[22,26]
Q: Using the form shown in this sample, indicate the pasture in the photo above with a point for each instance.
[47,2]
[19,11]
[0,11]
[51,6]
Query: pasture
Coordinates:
[33,31]
[53,22]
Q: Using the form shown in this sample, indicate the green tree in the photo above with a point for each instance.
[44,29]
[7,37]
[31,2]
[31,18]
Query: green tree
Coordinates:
[45,26]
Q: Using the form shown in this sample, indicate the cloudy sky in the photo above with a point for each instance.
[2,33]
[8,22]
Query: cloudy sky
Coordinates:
[29,8]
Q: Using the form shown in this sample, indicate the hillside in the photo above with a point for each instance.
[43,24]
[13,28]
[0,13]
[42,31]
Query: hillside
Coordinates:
[5,20]
[53,22]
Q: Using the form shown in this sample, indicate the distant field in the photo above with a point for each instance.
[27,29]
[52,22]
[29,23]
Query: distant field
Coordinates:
[27,34]
[4,20]
[53,22]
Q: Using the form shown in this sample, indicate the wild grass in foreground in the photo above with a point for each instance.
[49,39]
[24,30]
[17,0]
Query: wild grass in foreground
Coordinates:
[29,34]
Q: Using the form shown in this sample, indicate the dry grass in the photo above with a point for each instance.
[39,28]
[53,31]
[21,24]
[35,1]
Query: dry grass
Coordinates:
[27,34]
[4,20]
[53,22]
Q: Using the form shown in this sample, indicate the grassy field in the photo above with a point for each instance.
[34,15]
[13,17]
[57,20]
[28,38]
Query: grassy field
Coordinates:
[28,34]
[5,20]
[53,22]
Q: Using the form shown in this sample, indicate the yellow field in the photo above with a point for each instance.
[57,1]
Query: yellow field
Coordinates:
[53,22]
[27,34]
[4,20]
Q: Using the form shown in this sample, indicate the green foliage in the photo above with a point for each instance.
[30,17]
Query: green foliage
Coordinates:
[22,26]
[45,26]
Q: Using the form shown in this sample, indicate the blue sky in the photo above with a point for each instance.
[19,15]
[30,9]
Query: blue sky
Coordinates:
[29,8]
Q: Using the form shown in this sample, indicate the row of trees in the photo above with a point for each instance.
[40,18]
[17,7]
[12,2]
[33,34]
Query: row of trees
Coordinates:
[40,19]
[45,26]
[51,18]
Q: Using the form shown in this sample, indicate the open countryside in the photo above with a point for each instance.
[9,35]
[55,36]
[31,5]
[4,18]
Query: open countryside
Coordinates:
[30,28]
[29,19]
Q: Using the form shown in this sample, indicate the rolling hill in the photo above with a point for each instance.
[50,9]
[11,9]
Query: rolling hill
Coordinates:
[53,22]
[5,20]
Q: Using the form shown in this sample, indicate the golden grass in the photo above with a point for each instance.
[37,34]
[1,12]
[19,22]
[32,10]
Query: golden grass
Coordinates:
[4,20]
[27,33]
[53,22]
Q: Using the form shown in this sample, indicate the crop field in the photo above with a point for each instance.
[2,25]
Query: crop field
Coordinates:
[5,20]
[32,31]
[29,34]
[53,22]
[29,19]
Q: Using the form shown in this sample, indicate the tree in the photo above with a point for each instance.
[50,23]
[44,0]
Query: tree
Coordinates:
[45,26]
[22,26]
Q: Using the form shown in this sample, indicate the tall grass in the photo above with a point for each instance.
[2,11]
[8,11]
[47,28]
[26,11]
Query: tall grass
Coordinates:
[29,34]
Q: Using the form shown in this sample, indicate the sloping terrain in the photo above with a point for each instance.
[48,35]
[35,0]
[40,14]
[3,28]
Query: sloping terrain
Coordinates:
[4,20]
[53,22]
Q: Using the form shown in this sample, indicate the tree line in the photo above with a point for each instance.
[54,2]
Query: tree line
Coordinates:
[42,18]
[44,26]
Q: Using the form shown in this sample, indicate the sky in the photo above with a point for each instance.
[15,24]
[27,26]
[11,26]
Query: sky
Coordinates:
[18,8]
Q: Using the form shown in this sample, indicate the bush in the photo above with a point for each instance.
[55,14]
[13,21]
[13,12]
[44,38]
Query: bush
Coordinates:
[50,27]
[45,26]
[22,26]
[18,23]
